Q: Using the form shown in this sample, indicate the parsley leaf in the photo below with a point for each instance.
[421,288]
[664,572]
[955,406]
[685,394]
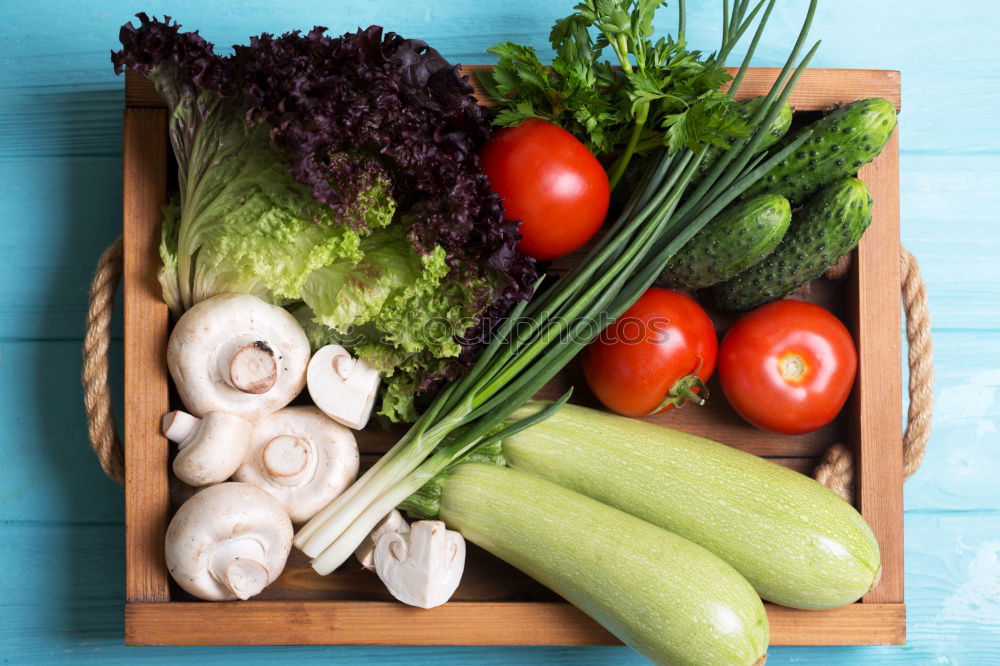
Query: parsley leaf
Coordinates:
[652,94]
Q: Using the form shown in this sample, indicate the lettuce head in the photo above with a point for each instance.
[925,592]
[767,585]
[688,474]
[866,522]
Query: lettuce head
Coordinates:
[336,176]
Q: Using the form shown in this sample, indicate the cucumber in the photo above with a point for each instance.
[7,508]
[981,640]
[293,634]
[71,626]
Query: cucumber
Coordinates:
[824,230]
[841,143]
[745,109]
[737,238]
[798,543]
[667,598]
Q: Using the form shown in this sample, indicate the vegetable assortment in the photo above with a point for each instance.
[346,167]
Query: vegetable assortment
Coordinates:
[338,194]
[660,217]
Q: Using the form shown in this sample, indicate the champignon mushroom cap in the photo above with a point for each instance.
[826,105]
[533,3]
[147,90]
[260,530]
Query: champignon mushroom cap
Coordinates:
[234,353]
[301,457]
[228,541]
[210,449]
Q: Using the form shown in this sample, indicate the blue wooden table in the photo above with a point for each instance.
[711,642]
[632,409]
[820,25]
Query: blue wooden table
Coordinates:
[61,534]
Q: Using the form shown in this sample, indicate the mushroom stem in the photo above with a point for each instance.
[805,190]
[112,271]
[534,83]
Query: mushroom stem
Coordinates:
[248,364]
[178,426]
[285,458]
[210,449]
[236,563]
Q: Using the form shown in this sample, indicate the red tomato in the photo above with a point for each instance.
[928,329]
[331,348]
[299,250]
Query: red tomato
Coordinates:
[550,182]
[654,357]
[788,366]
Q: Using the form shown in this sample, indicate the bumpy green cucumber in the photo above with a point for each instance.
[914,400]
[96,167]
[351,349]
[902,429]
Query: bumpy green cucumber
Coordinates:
[841,143]
[827,228]
[736,238]
[745,109]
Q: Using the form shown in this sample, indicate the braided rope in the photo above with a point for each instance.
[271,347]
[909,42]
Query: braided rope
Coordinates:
[836,470]
[96,389]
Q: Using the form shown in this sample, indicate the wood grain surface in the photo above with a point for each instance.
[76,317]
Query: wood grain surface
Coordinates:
[60,193]
[146,321]
[390,623]
[876,430]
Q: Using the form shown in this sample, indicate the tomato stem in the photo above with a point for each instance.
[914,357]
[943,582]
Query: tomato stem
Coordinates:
[683,391]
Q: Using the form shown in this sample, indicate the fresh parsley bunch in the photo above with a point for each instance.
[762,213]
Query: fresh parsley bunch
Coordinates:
[654,93]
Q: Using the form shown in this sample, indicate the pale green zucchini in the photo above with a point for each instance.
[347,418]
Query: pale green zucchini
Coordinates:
[797,542]
[669,599]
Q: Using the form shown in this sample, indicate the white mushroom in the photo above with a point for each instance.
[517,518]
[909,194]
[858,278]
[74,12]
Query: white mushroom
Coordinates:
[342,386]
[229,541]
[302,458]
[423,567]
[210,448]
[393,522]
[235,353]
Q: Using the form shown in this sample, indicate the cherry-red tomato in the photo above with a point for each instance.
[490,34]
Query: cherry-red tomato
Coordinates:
[549,182]
[654,357]
[788,366]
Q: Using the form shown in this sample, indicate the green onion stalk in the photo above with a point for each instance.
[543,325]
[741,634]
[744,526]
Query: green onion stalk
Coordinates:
[542,335]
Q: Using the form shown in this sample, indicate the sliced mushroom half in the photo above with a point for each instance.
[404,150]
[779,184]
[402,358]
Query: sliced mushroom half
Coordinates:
[423,567]
[342,386]
[395,523]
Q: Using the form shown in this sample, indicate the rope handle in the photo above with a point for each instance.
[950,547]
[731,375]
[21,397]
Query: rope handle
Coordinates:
[836,470]
[101,427]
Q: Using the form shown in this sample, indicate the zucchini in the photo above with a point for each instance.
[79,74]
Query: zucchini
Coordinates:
[735,239]
[825,229]
[841,143]
[798,543]
[667,598]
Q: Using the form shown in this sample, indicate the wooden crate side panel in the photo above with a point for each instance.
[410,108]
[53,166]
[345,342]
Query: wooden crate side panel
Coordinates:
[818,89]
[146,321]
[877,403]
[471,623]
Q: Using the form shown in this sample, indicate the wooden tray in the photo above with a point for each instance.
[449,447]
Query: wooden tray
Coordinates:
[496,604]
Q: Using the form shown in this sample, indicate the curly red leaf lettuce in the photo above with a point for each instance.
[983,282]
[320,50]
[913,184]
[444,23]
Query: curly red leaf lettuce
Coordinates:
[302,157]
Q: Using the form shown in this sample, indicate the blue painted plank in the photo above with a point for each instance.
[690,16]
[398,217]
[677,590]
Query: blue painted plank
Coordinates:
[59,215]
[48,472]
